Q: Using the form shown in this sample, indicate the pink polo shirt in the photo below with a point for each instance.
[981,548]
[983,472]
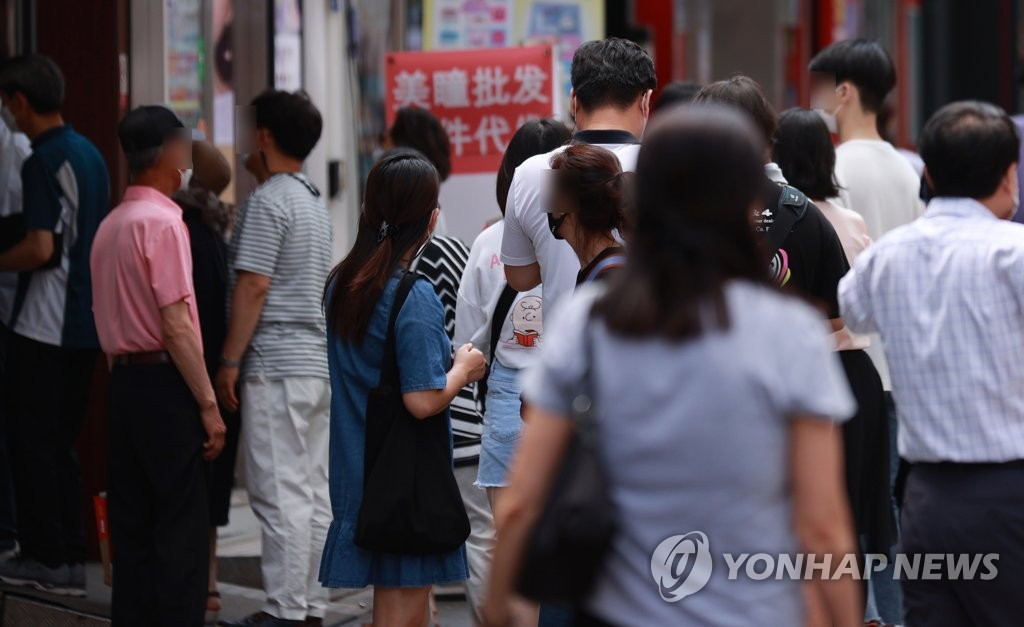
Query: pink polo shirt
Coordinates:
[141,262]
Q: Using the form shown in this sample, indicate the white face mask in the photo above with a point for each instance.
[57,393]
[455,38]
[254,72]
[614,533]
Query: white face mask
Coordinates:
[186,177]
[820,107]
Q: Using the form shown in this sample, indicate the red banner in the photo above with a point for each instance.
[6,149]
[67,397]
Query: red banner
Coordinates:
[481,96]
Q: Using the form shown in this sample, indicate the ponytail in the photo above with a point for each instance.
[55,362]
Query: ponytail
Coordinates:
[401,195]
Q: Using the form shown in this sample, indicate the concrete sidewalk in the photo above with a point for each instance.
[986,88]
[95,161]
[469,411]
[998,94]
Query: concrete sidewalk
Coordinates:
[239,581]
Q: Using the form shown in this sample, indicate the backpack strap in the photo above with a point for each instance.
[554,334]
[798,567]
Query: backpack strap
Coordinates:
[791,208]
[389,368]
[508,296]
[611,261]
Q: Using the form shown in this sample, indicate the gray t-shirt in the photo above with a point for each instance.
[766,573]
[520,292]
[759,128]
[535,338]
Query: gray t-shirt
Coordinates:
[283,231]
[695,437]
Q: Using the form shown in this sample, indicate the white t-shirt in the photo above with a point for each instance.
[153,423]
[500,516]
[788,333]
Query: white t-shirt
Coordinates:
[528,238]
[853,235]
[877,182]
[14,149]
[522,330]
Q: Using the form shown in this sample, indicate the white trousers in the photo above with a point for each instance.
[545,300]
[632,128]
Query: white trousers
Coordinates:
[285,427]
[480,543]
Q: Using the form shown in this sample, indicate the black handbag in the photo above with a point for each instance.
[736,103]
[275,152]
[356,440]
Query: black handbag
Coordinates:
[571,539]
[411,502]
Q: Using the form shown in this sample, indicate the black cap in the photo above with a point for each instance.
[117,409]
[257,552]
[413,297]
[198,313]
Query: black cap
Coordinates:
[147,127]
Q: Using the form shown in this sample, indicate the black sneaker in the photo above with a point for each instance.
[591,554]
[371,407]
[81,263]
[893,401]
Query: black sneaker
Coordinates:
[262,619]
[33,574]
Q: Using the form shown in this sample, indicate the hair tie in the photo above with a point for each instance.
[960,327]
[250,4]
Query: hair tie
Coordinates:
[386,231]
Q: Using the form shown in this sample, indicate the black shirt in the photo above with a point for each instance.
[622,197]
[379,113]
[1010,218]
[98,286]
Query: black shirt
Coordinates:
[811,260]
[210,278]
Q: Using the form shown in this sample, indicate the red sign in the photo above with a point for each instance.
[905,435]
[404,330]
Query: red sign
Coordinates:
[481,96]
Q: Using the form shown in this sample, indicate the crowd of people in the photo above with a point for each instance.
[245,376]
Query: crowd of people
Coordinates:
[758,334]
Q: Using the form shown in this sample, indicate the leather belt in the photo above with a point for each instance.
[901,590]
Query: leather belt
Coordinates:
[151,358]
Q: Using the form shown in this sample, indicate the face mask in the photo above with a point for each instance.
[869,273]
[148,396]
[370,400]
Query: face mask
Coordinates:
[830,120]
[830,117]
[422,248]
[186,177]
[556,223]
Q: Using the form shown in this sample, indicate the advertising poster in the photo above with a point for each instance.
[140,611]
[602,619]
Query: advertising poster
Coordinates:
[223,73]
[287,44]
[481,96]
[562,25]
[183,85]
[455,24]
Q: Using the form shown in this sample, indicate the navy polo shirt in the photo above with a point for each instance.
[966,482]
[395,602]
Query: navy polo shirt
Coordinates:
[66,190]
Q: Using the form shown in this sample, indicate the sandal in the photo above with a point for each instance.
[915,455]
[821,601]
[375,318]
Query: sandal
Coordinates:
[212,613]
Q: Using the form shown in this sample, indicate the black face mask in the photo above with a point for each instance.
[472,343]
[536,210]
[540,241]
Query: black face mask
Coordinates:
[556,223]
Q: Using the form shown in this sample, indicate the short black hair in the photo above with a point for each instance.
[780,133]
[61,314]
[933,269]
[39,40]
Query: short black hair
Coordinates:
[863,62]
[611,72]
[678,92]
[420,129]
[804,151]
[38,78]
[745,94]
[967,147]
[292,119]
[536,137]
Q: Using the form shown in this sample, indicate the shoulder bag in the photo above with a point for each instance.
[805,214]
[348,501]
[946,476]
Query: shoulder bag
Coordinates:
[411,502]
[569,543]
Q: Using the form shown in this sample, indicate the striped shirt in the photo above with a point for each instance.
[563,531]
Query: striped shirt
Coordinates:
[443,262]
[946,293]
[283,232]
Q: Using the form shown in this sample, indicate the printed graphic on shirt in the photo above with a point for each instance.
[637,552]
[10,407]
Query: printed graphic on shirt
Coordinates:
[779,269]
[527,318]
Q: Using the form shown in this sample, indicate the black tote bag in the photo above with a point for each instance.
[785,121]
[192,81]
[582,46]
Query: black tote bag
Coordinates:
[573,535]
[411,502]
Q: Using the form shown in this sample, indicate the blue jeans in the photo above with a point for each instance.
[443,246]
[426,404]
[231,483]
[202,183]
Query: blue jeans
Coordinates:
[885,600]
[556,616]
[502,426]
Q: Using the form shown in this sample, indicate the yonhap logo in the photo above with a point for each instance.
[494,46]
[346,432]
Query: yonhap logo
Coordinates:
[681,565]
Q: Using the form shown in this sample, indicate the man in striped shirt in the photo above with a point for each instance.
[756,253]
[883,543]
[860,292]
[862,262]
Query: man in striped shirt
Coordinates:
[274,363]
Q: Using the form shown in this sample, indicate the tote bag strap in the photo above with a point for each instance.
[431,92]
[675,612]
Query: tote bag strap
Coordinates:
[389,368]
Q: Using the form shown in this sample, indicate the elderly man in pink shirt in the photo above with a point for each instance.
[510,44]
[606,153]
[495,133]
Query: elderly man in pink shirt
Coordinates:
[163,414]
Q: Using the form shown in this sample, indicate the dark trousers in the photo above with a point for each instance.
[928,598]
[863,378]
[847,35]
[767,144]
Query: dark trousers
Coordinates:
[45,393]
[8,521]
[156,499]
[965,508]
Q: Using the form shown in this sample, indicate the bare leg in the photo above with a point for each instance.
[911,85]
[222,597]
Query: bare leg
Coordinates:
[213,602]
[524,613]
[401,607]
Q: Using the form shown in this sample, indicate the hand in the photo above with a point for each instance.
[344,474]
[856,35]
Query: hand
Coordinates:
[226,386]
[471,362]
[216,430]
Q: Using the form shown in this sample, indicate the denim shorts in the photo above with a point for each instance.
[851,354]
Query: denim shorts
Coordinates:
[502,426]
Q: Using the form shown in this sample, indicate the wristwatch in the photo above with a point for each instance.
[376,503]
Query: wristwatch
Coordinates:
[227,362]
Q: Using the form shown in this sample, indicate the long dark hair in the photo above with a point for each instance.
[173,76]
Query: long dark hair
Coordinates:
[590,179]
[804,151]
[399,200]
[535,137]
[698,176]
